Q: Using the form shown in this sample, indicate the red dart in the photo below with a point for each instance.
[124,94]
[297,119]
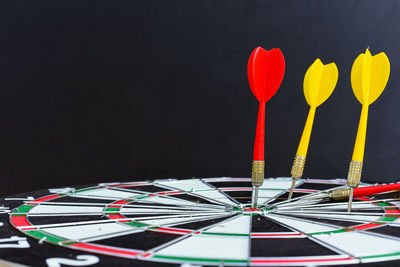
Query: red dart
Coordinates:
[344,193]
[265,71]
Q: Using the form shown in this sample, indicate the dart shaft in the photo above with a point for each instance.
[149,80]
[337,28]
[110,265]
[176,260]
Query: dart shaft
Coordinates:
[258,166]
[305,137]
[260,134]
[255,196]
[350,199]
[359,146]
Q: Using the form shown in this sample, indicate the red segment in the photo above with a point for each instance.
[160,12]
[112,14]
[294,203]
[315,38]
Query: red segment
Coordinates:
[366,226]
[20,221]
[114,216]
[235,188]
[122,202]
[42,199]
[103,249]
[171,230]
[251,209]
[305,190]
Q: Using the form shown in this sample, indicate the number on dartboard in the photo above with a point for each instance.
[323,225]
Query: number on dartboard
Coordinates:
[14,242]
[81,260]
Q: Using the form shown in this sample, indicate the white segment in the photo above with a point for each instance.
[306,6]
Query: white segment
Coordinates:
[239,225]
[78,232]
[195,185]
[209,247]
[105,193]
[216,195]
[360,244]
[176,220]
[302,225]
[64,209]
[278,183]
[166,201]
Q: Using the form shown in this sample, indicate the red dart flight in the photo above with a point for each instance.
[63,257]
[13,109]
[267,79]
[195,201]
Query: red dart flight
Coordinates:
[265,71]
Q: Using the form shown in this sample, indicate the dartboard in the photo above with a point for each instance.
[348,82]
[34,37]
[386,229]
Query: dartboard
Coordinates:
[199,222]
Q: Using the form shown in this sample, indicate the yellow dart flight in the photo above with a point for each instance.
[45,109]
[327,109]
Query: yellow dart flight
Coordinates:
[369,76]
[319,82]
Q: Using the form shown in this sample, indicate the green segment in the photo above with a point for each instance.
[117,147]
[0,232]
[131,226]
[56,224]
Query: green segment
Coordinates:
[344,230]
[40,235]
[141,197]
[111,209]
[383,204]
[24,208]
[388,219]
[137,224]
[382,255]
[199,259]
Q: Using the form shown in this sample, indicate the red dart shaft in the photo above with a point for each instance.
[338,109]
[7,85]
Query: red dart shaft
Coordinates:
[371,190]
[260,134]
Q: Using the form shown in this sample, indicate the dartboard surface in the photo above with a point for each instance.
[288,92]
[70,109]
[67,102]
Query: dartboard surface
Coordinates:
[198,222]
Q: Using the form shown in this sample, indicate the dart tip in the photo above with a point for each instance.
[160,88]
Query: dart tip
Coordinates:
[255,196]
[350,199]
[291,189]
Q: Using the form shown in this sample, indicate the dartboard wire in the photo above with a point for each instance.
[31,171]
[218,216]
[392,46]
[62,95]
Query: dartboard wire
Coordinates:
[353,228]
[333,248]
[200,196]
[250,234]
[197,231]
[284,191]
[300,199]
[332,204]
[223,193]
[319,214]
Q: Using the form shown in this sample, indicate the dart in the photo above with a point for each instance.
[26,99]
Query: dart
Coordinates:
[265,70]
[369,76]
[319,83]
[340,194]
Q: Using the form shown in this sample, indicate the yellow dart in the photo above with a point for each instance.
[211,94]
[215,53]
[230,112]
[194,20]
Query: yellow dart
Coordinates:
[369,76]
[319,82]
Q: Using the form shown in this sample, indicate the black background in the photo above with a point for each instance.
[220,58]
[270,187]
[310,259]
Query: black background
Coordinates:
[101,91]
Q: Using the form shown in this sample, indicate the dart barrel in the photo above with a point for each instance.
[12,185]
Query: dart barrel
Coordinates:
[354,175]
[298,166]
[257,172]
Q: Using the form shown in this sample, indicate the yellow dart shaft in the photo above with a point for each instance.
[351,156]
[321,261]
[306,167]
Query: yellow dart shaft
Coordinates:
[305,137]
[359,146]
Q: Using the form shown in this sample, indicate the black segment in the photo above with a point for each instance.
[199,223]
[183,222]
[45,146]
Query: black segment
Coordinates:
[327,221]
[317,186]
[387,230]
[38,220]
[145,188]
[81,200]
[243,197]
[262,224]
[143,240]
[285,197]
[286,247]
[201,224]
[193,198]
